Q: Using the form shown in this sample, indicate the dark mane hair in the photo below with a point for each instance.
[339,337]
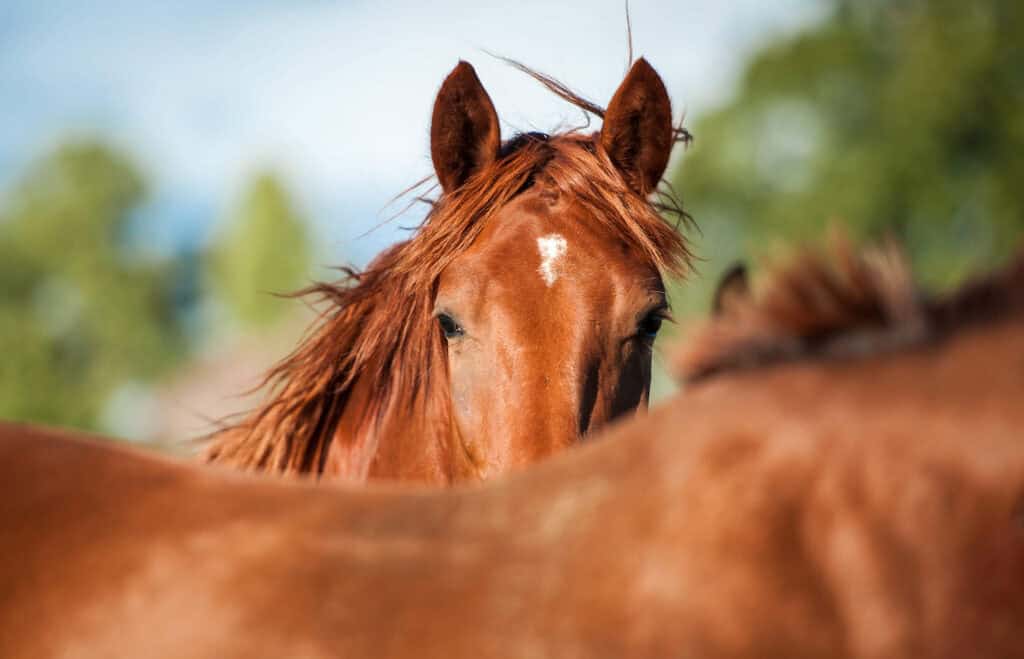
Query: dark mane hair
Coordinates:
[841,304]
[378,324]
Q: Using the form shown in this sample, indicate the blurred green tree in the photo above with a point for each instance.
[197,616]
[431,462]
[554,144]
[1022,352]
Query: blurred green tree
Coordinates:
[892,118]
[263,250]
[78,314]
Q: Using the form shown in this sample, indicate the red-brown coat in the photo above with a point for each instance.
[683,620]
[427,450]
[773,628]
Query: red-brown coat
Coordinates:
[850,506]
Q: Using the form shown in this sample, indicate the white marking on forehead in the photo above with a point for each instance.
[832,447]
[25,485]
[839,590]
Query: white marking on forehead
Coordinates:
[552,248]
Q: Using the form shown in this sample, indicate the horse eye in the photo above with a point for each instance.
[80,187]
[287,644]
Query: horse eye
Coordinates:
[451,329]
[651,324]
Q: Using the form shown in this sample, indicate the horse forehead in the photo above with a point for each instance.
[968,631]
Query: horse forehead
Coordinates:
[551,239]
[536,248]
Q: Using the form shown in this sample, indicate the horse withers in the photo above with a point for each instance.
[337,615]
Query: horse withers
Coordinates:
[853,486]
[518,319]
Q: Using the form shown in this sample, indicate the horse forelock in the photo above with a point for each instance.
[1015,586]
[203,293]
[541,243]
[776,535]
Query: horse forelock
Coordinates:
[378,325]
[842,303]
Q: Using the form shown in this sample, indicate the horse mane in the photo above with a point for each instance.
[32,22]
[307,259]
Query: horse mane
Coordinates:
[841,303]
[378,326]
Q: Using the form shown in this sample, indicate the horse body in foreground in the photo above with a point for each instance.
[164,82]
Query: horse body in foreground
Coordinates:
[518,318]
[813,503]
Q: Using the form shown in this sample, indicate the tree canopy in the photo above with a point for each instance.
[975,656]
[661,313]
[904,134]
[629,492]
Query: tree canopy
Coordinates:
[84,314]
[264,250]
[79,314]
[894,119]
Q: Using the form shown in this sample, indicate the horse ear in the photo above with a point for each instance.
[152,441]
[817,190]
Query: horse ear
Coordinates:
[733,289]
[637,133]
[464,131]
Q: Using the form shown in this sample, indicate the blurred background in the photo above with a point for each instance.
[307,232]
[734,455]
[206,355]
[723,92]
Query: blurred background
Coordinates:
[166,167]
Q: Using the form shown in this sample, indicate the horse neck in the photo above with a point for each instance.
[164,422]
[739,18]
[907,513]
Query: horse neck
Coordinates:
[403,444]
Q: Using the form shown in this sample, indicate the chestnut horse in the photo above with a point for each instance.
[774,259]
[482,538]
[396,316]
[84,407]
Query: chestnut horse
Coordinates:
[518,318]
[850,486]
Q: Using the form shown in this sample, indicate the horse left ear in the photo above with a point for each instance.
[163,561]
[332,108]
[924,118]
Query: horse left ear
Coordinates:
[464,131]
[733,290]
[637,134]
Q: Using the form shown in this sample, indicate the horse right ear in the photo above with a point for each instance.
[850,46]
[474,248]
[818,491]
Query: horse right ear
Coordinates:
[464,131]
[733,289]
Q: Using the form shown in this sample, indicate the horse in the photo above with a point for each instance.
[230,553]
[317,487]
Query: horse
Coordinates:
[519,318]
[855,491]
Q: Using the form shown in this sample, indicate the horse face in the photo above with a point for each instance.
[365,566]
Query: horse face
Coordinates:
[548,320]
[540,263]
[549,328]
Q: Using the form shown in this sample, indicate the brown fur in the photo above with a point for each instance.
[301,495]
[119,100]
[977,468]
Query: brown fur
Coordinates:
[381,329]
[632,106]
[867,508]
[379,333]
[837,304]
[733,289]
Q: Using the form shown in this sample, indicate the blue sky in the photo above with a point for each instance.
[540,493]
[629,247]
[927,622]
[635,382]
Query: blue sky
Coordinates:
[334,96]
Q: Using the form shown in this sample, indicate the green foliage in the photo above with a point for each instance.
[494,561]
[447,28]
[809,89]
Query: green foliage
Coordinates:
[77,315]
[264,250]
[890,118]
[81,315]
